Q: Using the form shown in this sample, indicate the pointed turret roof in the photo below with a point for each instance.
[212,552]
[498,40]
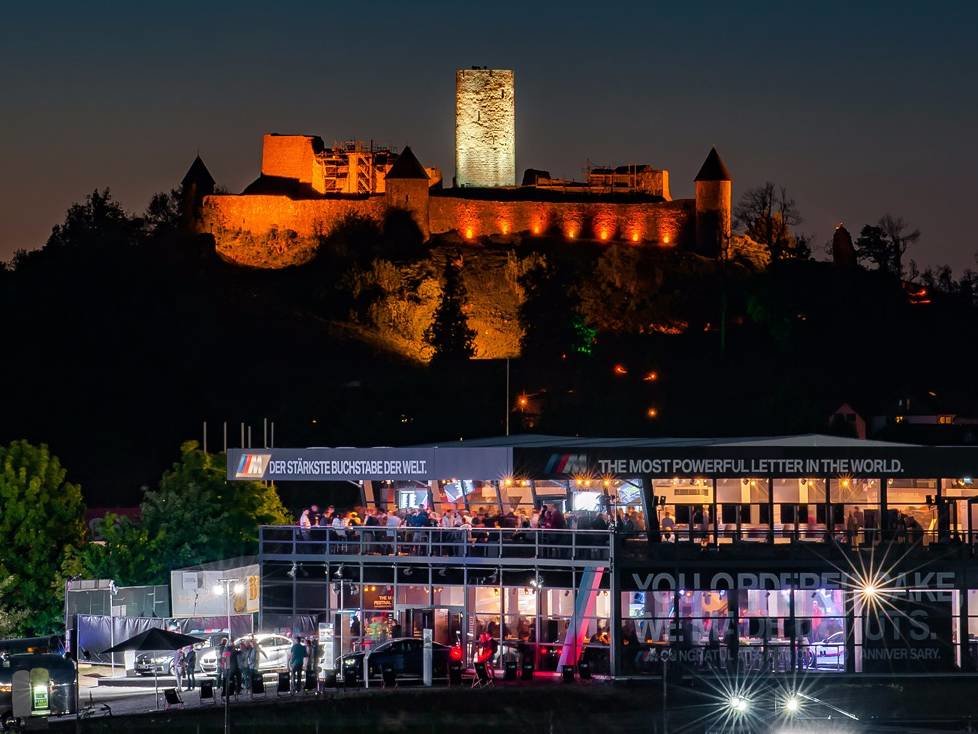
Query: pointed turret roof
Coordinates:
[406,166]
[198,174]
[713,169]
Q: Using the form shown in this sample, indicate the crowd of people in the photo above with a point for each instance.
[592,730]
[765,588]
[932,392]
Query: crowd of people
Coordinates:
[457,531]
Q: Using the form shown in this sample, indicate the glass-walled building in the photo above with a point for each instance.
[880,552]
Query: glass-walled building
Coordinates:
[812,553]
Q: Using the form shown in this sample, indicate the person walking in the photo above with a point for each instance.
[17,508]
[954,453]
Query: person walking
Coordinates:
[222,670]
[179,667]
[312,645]
[191,662]
[234,669]
[297,656]
[247,664]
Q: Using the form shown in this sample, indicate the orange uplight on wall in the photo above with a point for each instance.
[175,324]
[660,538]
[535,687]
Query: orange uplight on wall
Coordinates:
[666,239]
[571,234]
[469,233]
[603,234]
[634,236]
[620,369]
[536,229]
[652,413]
[504,226]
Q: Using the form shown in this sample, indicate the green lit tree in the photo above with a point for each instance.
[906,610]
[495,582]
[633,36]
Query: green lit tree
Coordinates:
[10,619]
[197,515]
[125,553]
[449,334]
[41,518]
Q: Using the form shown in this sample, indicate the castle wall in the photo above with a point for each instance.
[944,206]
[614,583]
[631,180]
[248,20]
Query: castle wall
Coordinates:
[276,231]
[664,223]
[240,224]
[292,156]
[485,127]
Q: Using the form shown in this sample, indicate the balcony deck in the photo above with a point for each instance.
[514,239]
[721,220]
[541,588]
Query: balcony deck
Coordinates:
[407,545]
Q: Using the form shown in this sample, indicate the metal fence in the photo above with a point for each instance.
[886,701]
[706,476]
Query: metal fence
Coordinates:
[501,543]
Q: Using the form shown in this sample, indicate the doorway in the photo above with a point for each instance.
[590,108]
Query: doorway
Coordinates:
[444,622]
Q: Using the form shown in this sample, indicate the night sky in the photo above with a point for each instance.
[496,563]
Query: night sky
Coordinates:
[858,111]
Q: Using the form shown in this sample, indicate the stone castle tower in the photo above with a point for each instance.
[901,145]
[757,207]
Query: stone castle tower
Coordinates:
[485,127]
[714,192]
[407,188]
[196,184]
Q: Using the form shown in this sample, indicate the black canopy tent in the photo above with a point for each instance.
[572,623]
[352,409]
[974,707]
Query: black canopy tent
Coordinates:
[155,639]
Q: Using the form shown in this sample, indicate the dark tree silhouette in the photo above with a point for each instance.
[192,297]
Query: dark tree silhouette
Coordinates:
[873,246]
[767,214]
[550,313]
[449,334]
[164,212]
[895,229]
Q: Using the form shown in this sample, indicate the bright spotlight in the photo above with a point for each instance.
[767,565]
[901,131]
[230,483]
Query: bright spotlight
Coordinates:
[869,590]
[792,704]
[218,589]
[738,704]
[239,588]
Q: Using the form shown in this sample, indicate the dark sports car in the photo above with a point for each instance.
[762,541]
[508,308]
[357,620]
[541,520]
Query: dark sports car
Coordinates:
[404,656]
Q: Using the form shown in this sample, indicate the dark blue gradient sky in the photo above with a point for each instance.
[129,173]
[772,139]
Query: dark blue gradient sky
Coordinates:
[858,108]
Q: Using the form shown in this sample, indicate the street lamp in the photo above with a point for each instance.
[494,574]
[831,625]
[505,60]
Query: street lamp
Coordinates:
[225,586]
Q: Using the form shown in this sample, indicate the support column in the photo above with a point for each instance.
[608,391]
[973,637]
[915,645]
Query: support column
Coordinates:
[614,621]
[967,663]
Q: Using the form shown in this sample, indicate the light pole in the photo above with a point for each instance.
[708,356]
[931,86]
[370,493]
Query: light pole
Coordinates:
[224,586]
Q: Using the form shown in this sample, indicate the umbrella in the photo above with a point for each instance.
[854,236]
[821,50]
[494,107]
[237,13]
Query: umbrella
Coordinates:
[155,639]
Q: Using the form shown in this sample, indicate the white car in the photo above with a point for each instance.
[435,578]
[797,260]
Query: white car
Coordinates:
[830,652]
[272,654]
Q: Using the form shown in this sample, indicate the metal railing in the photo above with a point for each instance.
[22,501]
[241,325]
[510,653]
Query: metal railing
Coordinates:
[441,543]
[786,535]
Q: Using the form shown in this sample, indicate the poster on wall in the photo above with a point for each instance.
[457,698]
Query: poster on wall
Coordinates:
[910,631]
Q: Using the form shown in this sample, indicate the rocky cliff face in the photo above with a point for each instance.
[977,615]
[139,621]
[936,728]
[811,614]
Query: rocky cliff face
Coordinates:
[405,296]
[621,289]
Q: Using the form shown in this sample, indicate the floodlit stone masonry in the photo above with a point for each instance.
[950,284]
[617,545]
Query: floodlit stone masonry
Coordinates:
[485,127]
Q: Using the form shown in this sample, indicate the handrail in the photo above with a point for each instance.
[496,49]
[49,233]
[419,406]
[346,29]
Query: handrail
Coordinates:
[437,542]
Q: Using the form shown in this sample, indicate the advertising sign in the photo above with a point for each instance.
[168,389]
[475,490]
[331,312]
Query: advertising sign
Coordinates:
[326,645]
[749,461]
[908,632]
[427,674]
[353,464]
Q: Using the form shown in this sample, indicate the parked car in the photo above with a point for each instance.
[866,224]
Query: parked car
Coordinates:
[273,653]
[405,656]
[831,652]
[160,662]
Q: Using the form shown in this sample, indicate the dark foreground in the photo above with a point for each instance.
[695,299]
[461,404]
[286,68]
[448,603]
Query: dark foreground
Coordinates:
[909,705]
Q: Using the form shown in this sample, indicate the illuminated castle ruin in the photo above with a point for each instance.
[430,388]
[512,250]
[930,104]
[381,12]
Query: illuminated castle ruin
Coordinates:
[485,127]
[306,188]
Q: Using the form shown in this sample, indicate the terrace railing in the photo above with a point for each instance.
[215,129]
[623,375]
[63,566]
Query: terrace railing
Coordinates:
[437,543]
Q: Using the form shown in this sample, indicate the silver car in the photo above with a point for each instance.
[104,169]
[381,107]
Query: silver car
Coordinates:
[272,654]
